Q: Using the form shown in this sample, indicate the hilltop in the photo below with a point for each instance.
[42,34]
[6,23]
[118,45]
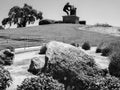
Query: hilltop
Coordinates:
[36,35]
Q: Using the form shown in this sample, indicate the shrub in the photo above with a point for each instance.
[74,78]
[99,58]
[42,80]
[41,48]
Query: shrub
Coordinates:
[43,49]
[105,83]
[58,22]
[1,28]
[7,56]
[102,25]
[43,82]
[74,44]
[98,50]
[5,78]
[106,51]
[46,21]
[86,46]
[108,47]
[99,47]
[12,49]
[114,66]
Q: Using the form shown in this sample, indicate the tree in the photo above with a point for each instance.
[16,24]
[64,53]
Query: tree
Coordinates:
[22,16]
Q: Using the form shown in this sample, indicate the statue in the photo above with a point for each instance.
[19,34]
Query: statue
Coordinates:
[69,9]
[71,14]
[73,10]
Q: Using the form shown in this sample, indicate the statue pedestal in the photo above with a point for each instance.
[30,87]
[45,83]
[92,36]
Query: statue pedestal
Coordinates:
[71,19]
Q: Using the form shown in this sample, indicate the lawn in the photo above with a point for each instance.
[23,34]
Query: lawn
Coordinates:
[36,35]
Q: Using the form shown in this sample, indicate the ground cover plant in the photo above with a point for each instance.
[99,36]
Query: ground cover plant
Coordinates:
[42,82]
[114,66]
[86,45]
[5,78]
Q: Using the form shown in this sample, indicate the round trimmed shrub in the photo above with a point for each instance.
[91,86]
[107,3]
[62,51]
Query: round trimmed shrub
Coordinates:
[46,21]
[43,82]
[5,78]
[86,46]
[98,50]
[106,51]
[43,49]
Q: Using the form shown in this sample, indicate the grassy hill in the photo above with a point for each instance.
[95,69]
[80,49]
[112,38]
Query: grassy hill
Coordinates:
[36,35]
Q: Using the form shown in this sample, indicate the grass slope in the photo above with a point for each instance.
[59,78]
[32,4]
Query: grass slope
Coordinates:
[36,35]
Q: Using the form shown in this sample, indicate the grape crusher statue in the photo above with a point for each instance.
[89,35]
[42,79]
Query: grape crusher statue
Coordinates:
[69,9]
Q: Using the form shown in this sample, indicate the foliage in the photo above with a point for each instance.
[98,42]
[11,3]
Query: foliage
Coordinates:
[6,56]
[1,27]
[106,51]
[43,82]
[86,46]
[43,49]
[58,22]
[74,44]
[108,47]
[22,16]
[5,78]
[46,21]
[12,49]
[104,83]
[6,21]
[114,66]
[102,25]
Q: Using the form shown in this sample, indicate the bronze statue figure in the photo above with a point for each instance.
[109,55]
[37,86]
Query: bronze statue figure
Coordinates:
[69,9]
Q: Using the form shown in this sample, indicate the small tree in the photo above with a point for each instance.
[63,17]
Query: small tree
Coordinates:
[22,16]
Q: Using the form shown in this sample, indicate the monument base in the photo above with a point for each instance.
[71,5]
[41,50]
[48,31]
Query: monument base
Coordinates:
[71,19]
[82,22]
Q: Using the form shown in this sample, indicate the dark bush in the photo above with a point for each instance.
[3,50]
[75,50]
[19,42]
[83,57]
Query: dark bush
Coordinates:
[7,57]
[108,47]
[98,50]
[43,49]
[43,82]
[12,49]
[1,27]
[100,47]
[46,21]
[102,25]
[5,78]
[105,83]
[114,66]
[58,22]
[106,51]
[74,44]
[86,46]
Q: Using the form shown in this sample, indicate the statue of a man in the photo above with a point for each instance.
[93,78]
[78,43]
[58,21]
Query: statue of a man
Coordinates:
[67,8]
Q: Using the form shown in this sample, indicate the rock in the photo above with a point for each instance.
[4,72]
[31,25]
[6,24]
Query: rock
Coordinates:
[6,56]
[36,64]
[70,65]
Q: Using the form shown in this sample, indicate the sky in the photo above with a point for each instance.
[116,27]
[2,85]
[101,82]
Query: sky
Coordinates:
[93,11]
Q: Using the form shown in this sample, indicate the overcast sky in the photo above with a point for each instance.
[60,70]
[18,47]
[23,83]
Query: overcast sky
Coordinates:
[93,11]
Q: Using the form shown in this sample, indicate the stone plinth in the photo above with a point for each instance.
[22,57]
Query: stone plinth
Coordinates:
[82,22]
[71,19]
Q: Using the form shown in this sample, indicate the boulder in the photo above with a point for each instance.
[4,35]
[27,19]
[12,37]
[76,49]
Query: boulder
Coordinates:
[70,65]
[6,56]
[36,64]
